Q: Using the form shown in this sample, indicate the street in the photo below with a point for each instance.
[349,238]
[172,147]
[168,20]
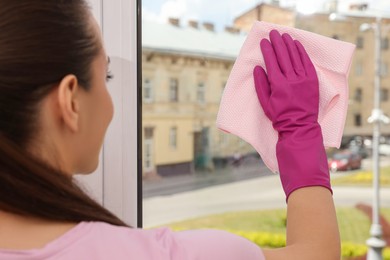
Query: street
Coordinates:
[258,193]
[173,185]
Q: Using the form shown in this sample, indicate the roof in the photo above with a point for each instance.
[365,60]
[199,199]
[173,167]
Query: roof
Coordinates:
[167,38]
[356,14]
[366,14]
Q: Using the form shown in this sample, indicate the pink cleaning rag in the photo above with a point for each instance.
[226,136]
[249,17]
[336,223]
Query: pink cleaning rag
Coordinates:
[240,112]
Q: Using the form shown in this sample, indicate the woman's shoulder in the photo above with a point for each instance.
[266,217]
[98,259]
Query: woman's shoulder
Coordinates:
[121,242]
[98,240]
[191,244]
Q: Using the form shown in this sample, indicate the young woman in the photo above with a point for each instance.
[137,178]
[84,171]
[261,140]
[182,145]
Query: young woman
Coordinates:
[55,109]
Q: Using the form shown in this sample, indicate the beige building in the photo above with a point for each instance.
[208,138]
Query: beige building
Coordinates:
[185,69]
[361,80]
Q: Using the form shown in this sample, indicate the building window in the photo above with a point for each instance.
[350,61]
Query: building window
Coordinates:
[384,94]
[384,69]
[148,149]
[200,94]
[358,119]
[385,43]
[223,86]
[173,90]
[148,91]
[358,95]
[360,42]
[359,69]
[173,137]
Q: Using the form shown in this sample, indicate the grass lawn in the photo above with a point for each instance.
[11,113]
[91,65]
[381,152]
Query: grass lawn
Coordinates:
[363,178]
[354,225]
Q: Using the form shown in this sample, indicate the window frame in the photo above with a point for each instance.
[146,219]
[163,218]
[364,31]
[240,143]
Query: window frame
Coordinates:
[117,181]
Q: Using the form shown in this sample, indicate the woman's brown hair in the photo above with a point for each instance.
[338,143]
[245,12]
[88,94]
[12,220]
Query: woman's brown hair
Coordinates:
[41,41]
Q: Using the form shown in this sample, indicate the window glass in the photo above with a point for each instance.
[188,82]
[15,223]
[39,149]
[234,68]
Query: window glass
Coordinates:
[384,70]
[173,90]
[148,91]
[360,42]
[358,69]
[358,94]
[384,94]
[196,176]
[385,43]
[173,137]
[201,93]
[358,120]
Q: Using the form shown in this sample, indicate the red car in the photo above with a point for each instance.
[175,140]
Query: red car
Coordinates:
[345,161]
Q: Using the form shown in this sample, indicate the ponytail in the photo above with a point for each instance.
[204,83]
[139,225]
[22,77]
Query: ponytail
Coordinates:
[31,188]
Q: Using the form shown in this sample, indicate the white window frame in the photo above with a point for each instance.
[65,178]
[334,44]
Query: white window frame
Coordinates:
[116,184]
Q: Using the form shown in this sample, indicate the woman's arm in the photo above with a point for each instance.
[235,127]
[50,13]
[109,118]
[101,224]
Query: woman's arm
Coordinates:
[312,231]
[289,95]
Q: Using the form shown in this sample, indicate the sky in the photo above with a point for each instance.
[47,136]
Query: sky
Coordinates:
[222,12]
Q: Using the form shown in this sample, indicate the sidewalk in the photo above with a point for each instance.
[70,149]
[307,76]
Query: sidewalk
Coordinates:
[199,180]
[256,194]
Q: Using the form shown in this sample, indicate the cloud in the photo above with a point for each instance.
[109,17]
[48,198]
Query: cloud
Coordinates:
[174,8]
[383,5]
[219,12]
[182,9]
[150,15]
[239,7]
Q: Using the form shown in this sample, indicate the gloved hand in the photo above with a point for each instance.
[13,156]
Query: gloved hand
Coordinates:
[289,95]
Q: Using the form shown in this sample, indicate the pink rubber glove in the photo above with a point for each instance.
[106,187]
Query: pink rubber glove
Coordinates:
[289,96]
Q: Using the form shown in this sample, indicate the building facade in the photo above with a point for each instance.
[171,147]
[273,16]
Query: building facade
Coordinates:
[361,79]
[185,69]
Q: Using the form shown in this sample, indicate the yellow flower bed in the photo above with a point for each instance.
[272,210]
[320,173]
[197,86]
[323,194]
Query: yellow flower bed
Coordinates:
[363,178]
[270,240]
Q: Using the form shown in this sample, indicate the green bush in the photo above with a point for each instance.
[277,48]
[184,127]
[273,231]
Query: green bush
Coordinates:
[271,240]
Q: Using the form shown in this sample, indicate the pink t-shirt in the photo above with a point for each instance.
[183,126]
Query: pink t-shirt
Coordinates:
[97,241]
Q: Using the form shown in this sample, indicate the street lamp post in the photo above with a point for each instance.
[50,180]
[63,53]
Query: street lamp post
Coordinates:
[375,242]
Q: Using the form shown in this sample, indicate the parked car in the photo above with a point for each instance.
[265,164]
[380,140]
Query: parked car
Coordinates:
[345,161]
